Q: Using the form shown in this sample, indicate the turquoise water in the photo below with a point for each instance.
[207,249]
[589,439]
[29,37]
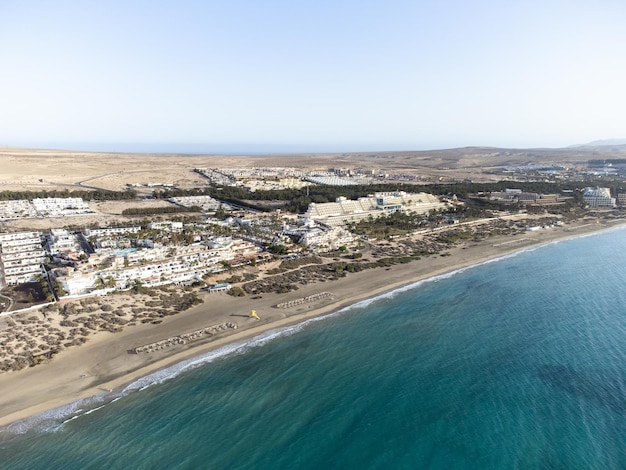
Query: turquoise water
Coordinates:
[518,363]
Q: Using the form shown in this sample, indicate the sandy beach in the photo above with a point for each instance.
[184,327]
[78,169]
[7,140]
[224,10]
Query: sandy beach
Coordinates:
[106,363]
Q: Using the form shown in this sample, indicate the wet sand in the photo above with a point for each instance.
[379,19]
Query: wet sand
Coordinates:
[106,363]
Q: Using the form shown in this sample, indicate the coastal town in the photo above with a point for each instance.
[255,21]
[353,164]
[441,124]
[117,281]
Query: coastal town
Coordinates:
[215,245]
[78,266]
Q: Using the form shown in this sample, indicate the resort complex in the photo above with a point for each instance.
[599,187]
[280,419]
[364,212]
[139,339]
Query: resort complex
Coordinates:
[344,211]
[100,259]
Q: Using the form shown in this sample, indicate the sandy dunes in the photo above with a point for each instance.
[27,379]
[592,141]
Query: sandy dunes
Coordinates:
[32,338]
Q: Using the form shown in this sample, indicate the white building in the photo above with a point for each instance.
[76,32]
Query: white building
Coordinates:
[77,283]
[60,206]
[322,238]
[16,209]
[344,211]
[206,203]
[598,197]
[338,180]
[61,240]
[158,273]
[21,257]
[99,232]
[166,225]
[152,267]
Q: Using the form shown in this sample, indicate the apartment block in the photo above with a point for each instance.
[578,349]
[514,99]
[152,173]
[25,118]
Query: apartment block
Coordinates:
[21,257]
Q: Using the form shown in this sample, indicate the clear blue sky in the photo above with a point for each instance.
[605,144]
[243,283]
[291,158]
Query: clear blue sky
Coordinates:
[312,75]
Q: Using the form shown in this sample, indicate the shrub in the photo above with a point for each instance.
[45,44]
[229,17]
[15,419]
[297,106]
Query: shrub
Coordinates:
[236,292]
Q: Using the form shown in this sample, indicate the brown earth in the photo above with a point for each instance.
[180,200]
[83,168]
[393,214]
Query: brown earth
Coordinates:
[37,169]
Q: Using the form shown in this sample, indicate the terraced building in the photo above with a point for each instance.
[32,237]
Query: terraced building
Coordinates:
[344,211]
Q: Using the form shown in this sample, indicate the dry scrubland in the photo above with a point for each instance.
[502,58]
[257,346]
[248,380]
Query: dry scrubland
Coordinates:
[24,169]
[32,338]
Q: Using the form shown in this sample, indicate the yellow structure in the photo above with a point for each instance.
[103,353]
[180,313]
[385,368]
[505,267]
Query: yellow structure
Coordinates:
[254,315]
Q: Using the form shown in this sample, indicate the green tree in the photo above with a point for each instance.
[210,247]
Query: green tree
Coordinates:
[59,290]
[220,213]
[277,249]
[138,287]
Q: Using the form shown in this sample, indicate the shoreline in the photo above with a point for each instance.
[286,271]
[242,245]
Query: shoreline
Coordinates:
[103,367]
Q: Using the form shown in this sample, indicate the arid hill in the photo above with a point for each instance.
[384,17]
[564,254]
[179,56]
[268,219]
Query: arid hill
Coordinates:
[37,169]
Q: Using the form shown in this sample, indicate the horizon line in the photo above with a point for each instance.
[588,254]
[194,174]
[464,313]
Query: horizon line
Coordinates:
[254,149]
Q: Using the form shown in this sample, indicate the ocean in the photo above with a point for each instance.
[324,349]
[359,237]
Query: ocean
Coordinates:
[515,363]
